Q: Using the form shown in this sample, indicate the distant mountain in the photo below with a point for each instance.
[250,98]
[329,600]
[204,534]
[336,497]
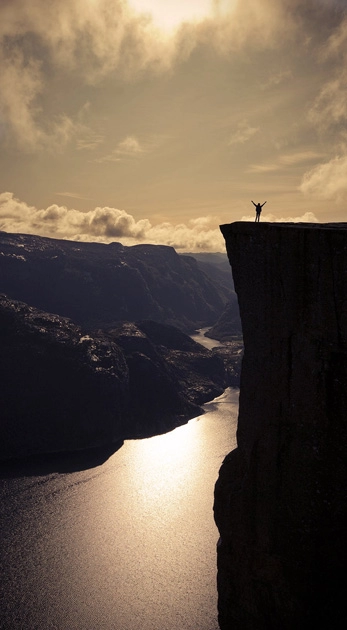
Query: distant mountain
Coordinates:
[97,285]
[218,259]
[217,267]
[90,354]
[228,327]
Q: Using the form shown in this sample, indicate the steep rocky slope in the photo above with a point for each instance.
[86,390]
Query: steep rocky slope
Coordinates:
[60,388]
[280,500]
[216,266]
[64,388]
[228,326]
[97,285]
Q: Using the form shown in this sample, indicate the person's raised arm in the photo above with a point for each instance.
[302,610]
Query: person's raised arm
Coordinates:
[263,204]
[254,204]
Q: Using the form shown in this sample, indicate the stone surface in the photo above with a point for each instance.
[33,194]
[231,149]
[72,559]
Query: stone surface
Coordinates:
[231,353]
[97,285]
[64,388]
[228,326]
[61,389]
[170,375]
[280,500]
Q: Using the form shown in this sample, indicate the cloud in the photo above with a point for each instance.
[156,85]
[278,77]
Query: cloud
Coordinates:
[330,106]
[84,40]
[251,23]
[131,147]
[292,159]
[106,225]
[307,217]
[276,79]
[336,44]
[72,195]
[20,83]
[197,235]
[243,133]
[87,36]
[286,160]
[88,41]
[87,138]
[262,168]
[328,180]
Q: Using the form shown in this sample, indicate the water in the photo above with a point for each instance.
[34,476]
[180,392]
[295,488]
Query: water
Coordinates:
[129,544]
[205,341]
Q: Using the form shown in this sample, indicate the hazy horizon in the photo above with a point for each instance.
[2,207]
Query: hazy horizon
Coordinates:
[148,121]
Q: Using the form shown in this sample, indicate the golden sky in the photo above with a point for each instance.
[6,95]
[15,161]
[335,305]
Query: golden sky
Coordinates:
[157,120]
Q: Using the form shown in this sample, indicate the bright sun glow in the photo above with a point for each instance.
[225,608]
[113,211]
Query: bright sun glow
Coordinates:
[169,14]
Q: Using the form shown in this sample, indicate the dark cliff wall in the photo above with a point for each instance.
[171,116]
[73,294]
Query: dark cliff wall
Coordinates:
[280,500]
[97,285]
[60,389]
[64,389]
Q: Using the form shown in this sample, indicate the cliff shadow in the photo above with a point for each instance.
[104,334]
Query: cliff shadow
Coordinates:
[65,462]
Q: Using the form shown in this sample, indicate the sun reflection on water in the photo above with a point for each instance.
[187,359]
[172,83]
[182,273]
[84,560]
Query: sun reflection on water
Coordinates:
[170,448]
[165,472]
[130,544]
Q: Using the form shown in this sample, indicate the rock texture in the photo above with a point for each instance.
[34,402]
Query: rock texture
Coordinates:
[97,285]
[228,327]
[280,500]
[60,388]
[64,388]
[231,353]
[170,375]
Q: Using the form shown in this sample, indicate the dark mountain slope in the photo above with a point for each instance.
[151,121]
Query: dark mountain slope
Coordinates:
[64,388]
[97,285]
[216,266]
[228,327]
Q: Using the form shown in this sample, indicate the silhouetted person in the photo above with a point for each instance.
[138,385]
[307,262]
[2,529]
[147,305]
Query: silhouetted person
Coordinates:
[258,209]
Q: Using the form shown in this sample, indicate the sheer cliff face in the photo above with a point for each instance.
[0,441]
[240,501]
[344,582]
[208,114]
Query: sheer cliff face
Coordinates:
[280,500]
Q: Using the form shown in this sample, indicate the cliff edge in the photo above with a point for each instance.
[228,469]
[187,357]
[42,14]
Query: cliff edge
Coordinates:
[280,500]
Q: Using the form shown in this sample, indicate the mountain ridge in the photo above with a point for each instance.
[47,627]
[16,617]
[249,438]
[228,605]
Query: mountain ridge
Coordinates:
[97,284]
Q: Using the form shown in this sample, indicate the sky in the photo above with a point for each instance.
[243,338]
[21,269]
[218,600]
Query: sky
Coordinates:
[155,121]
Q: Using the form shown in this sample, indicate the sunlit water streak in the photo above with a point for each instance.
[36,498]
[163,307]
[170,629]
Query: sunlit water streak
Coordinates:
[205,341]
[127,545]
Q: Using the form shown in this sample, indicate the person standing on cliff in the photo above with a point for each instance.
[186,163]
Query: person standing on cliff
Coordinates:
[258,209]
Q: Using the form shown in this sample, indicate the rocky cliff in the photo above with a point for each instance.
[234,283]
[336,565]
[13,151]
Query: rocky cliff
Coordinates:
[97,285]
[280,500]
[65,389]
